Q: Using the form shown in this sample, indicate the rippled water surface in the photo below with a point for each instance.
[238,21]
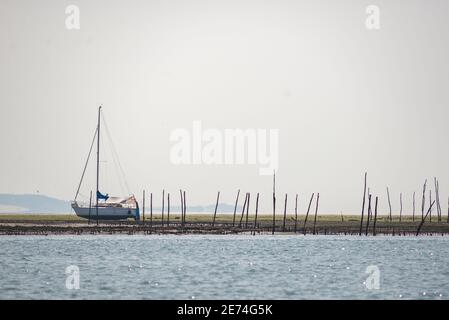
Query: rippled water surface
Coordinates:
[224,267]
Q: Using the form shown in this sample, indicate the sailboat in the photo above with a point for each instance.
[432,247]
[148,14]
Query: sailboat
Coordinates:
[105,207]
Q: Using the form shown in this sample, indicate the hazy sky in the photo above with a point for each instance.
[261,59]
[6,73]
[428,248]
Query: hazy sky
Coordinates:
[344,98]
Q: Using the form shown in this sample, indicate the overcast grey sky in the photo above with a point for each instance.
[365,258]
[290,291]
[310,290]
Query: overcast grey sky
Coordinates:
[344,98]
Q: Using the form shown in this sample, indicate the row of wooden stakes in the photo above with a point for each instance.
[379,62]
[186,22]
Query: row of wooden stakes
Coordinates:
[243,221]
[424,214]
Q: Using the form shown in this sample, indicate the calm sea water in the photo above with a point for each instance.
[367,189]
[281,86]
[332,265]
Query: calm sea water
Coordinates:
[225,267]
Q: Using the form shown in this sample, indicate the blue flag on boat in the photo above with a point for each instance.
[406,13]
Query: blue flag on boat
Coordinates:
[102,196]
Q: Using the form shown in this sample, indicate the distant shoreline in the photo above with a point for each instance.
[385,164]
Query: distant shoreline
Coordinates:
[19,224]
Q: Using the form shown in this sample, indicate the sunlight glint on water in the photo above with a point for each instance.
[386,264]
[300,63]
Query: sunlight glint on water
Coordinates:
[224,267]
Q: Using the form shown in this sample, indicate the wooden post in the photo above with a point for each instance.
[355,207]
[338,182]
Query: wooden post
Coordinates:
[168,209]
[422,221]
[296,213]
[151,210]
[90,206]
[185,208]
[247,210]
[274,214]
[316,211]
[257,209]
[439,203]
[369,214]
[163,203]
[243,210]
[437,200]
[96,210]
[143,208]
[235,207]
[363,205]
[400,212]
[375,218]
[274,202]
[436,196]
[423,203]
[430,200]
[413,219]
[182,209]
[285,213]
[389,203]
[216,207]
[307,214]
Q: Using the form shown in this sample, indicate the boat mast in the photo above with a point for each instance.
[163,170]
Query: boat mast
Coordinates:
[98,160]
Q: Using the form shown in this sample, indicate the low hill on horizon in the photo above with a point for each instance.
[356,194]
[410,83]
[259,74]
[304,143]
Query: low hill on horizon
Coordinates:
[32,203]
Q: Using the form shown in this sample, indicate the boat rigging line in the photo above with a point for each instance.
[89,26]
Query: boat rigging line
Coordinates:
[115,158]
[85,165]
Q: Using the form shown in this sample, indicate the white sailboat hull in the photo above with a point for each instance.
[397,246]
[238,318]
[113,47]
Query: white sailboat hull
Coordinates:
[106,212]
